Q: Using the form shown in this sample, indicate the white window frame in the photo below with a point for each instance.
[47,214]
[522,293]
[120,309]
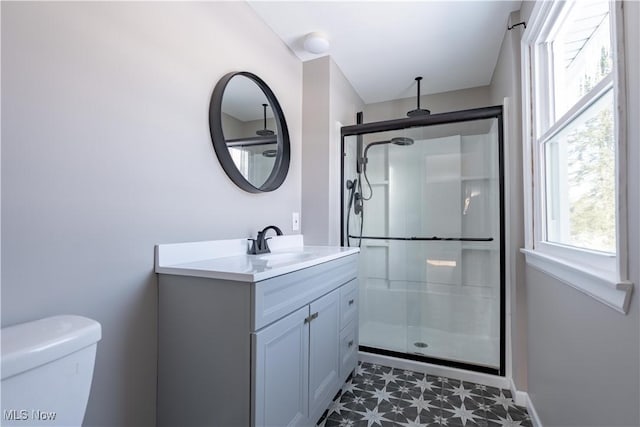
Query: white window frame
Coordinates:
[601,276]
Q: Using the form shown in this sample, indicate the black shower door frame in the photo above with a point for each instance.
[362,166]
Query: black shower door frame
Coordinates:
[430,120]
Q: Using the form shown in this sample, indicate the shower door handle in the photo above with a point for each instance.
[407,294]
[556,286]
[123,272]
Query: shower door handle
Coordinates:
[433,238]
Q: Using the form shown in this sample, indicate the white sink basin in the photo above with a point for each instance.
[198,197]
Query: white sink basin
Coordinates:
[284,257]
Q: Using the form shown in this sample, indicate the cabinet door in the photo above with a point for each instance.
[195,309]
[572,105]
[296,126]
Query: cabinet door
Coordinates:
[324,357]
[280,372]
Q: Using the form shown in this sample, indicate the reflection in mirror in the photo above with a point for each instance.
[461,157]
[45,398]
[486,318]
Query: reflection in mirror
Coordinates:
[247,125]
[251,125]
[255,162]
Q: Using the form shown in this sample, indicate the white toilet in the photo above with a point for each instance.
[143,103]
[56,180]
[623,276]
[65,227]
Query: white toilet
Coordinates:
[47,367]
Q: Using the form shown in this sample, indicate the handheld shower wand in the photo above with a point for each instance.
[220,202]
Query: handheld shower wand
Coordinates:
[354,196]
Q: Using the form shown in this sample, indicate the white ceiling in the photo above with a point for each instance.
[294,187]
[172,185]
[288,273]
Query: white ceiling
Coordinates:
[382,46]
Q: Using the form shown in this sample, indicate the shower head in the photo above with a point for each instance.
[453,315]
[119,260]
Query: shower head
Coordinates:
[402,141]
[265,131]
[418,111]
[362,160]
[399,140]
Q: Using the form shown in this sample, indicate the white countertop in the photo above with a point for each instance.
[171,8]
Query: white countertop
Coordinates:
[228,259]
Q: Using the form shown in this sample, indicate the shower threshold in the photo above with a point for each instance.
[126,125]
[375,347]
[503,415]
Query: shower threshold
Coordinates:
[449,348]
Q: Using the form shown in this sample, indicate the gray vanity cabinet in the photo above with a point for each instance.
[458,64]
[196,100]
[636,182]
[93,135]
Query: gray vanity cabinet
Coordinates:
[269,353]
[297,364]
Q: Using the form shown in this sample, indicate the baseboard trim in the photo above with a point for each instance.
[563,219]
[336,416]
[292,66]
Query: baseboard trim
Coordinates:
[521,398]
[535,419]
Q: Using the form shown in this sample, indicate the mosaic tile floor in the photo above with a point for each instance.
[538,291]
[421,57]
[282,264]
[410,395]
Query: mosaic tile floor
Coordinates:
[378,395]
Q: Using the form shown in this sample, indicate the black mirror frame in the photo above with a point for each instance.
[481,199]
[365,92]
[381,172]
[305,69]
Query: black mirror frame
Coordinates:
[283,156]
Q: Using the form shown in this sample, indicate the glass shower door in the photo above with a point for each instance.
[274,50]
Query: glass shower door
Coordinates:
[430,240]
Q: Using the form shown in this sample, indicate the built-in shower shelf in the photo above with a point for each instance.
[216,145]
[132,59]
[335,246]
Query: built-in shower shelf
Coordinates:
[476,178]
[480,246]
[377,244]
[385,182]
[442,179]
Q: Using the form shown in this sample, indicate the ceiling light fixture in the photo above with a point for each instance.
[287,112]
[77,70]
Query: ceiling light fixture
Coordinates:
[316,43]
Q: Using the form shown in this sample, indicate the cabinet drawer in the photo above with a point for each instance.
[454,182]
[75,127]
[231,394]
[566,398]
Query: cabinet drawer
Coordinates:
[348,302]
[348,350]
[275,298]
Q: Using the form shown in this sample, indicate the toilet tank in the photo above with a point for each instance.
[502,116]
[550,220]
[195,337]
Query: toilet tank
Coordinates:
[47,367]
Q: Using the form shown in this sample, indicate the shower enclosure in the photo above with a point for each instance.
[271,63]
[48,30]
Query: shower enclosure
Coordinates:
[423,198]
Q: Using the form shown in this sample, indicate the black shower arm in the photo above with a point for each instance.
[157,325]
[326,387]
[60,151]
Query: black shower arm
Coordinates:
[364,159]
[264,107]
[375,143]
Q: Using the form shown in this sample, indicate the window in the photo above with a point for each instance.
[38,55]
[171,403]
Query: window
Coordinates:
[240,157]
[573,137]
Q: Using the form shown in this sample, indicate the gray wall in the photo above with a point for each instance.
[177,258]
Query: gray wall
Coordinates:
[583,357]
[505,83]
[437,103]
[106,152]
[329,99]
[315,157]
[344,104]
[234,128]
[231,127]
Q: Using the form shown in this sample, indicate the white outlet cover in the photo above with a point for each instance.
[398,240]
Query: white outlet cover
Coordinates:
[295,221]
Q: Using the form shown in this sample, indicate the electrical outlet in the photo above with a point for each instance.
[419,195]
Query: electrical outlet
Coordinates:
[295,221]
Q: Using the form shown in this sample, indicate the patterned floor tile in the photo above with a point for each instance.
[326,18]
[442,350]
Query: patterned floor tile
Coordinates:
[377,395]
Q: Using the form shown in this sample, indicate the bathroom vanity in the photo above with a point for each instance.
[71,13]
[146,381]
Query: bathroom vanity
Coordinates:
[260,340]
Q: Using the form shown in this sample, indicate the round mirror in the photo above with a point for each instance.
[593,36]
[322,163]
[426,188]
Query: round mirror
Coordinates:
[249,132]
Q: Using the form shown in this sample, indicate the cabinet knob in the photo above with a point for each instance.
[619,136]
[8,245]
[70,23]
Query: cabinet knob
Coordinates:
[350,344]
[351,301]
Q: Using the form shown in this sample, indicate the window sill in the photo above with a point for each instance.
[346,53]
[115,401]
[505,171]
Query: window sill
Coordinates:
[613,293]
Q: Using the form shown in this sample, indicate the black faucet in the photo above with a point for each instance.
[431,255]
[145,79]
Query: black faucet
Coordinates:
[259,245]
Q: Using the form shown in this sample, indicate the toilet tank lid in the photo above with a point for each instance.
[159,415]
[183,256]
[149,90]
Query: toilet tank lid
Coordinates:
[29,345]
